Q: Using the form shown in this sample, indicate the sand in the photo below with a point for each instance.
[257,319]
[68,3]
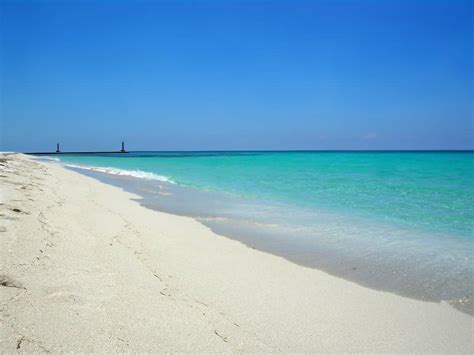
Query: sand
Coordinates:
[85,268]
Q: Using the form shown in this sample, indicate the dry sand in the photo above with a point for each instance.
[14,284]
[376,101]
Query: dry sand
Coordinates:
[86,268]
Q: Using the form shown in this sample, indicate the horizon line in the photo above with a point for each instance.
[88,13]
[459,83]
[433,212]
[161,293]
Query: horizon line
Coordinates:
[255,150]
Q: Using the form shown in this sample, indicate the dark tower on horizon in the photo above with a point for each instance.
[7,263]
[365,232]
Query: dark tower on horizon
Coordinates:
[123,147]
[57,148]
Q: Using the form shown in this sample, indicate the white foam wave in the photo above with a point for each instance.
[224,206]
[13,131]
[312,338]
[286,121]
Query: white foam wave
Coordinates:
[50,158]
[114,171]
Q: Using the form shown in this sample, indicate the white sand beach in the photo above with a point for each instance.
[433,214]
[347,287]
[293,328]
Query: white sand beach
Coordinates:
[85,268]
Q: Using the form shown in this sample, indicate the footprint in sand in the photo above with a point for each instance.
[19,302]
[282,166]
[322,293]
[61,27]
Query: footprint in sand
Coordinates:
[7,281]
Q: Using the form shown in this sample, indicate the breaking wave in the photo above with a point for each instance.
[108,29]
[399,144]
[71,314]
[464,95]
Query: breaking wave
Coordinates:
[114,171]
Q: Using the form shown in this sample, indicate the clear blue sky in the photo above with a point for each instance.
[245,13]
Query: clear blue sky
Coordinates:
[186,75]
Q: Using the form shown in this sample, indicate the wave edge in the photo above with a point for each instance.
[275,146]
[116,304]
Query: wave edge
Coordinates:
[139,174]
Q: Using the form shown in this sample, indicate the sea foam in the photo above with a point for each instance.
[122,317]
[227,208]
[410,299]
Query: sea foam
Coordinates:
[114,171]
[50,158]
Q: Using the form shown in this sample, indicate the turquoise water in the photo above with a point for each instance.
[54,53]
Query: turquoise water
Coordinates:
[432,191]
[397,221]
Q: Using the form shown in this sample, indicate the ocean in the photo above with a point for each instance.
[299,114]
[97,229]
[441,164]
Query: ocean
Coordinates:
[401,222]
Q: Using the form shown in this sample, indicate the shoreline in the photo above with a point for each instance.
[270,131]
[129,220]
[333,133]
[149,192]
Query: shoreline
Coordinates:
[165,196]
[85,255]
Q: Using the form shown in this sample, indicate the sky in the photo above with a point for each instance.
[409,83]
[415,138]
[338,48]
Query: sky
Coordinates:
[245,75]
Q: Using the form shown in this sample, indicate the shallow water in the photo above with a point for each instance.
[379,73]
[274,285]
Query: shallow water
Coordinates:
[398,221]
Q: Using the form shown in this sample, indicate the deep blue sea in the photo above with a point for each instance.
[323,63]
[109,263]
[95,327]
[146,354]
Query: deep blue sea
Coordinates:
[397,221]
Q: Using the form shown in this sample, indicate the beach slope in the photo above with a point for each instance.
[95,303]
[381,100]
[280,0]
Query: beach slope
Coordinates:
[85,268]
